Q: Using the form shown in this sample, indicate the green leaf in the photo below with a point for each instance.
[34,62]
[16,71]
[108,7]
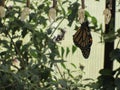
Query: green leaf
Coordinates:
[25,47]
[110,37]
[94,21]
[18,46]
[41,6]
[99,28]
[28,26]
[74,48]
[73,65]
[44,57]
[58,61]
[88,79]
[63,65]
[62,51]
[67,51]
[33,16]
[118,31]
[69,73]
[4,43]
[33,53]
[3,53]
[24,32]
[107,72]
[73,8]
[115,55]
[117,83]
[19,43]
[87,14]
[42,20]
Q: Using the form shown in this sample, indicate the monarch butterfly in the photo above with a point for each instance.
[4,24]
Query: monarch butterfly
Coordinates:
[83,39]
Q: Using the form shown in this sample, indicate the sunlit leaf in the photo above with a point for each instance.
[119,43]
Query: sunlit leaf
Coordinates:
[73,65]
[94,21]
[62,51]
[74,48]
[67,51]
[87,14]
[63,65]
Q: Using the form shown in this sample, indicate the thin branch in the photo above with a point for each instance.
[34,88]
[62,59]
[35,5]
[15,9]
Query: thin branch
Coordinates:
[2,3]
[57,26]
[14,45]
[83,3]
[54,3]
[28,3]
[59,70]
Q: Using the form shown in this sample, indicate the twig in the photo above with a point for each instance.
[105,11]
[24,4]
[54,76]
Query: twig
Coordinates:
[28,3]
[57,26]
[14,45]
[2,3]
[83,3]
[54,3]
[59,70]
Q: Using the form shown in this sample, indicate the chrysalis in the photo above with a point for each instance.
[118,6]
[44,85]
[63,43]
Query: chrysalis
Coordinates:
[2,12]
[25,13]
[107,14]
[52,14]
[81,15]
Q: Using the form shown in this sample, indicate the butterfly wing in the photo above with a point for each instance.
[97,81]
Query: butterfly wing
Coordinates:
[85,52]
[83,39]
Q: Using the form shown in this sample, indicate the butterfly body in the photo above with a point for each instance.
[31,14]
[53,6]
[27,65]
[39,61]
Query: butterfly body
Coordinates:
[83,39]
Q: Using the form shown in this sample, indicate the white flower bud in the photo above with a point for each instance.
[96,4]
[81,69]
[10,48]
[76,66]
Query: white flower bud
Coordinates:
[81,15]
[2,12]
[52,14]
[107,14]
[24,13]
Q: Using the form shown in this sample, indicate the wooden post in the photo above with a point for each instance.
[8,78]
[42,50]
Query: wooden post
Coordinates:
[109,46]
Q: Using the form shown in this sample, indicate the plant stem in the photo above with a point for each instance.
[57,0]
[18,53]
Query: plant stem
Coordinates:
[59,70]
[28,3]
[57,26]
[15,47]
[83,4]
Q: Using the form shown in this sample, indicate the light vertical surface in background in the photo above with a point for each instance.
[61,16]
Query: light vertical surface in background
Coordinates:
[95,61]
